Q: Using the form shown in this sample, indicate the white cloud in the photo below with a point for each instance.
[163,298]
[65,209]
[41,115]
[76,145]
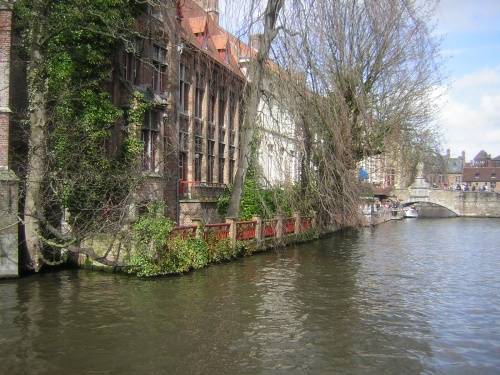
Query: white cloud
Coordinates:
[471,126]
[486,76]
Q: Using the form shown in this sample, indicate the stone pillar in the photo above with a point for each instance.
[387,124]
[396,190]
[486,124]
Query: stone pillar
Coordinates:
[258,229]
[197,223]
[279,226]
[296,215]
[232,230]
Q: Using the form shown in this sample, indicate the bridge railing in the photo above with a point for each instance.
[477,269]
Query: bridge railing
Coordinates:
[257,229]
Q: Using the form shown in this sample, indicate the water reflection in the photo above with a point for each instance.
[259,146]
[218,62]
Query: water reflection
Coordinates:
[408,297]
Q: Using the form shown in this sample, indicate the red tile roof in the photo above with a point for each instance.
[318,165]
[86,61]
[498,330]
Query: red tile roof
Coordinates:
[196,21]
[486,174]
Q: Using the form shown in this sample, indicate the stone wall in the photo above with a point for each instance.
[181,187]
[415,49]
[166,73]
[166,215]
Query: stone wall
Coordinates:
[8,224]
[206,211]
[481,204]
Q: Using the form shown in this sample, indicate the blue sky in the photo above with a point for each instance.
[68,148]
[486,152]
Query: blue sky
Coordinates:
[470,117]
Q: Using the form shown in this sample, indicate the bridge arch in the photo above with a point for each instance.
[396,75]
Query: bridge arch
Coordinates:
[459,202]
[430,202]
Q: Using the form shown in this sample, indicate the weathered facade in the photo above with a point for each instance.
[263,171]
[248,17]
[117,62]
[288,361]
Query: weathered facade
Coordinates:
[181,63]
[192,72]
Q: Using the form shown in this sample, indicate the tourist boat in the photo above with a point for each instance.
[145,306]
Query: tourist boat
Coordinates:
[410,212]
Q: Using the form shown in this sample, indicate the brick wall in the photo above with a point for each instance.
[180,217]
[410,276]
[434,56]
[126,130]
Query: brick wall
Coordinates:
[8,180]
[5,46]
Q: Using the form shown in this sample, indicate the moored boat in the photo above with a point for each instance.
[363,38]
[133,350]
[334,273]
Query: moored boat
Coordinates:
[410,212]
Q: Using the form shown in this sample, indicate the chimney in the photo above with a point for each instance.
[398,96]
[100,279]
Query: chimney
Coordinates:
[211,7]
[448,153]
[255,41]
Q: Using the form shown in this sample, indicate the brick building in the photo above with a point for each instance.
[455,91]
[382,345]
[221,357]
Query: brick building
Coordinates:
[8,180]
[181,62]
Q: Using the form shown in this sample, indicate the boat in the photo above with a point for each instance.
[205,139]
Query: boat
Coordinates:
[410,212]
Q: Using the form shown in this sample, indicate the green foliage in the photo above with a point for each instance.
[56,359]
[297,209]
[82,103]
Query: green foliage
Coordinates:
[76,41]
[257,200]
[155,253]
[219,250]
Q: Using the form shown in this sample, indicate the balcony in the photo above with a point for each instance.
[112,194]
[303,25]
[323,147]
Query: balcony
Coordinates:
[201,191]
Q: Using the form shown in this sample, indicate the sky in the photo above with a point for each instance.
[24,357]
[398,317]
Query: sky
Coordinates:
[470,116]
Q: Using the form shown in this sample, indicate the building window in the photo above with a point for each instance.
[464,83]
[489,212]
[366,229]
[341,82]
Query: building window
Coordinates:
[159,68]
[184,88]
[231,115]
[197,167]
[198,134]
[198,150]
[183,141]
[150,139]
[211,131]
[203,38]
[200,92]
[210,160]
[182,166]
[222,162]
[390,177]
[232,164]
[212,103]
[222,106]
[232,109]
[131,64]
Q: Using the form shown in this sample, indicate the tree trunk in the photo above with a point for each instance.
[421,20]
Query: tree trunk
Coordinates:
[36,159]
[255,80]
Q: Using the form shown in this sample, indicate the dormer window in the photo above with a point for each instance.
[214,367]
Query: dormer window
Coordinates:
[203,38]
[199,27]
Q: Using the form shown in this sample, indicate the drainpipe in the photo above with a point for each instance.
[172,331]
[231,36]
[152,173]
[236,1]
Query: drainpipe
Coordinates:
[180,49]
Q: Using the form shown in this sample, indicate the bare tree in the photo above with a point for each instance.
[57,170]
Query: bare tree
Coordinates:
[254,89]
[371,72]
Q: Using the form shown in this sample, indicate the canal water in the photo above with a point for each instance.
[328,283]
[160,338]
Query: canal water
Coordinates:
[417,296]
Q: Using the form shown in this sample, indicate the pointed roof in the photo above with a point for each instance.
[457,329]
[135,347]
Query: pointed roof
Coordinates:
[198,24]
[481,154]
[221,41]
[196,21]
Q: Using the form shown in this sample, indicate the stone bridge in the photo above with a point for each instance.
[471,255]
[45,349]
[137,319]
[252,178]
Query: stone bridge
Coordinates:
[459,202]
